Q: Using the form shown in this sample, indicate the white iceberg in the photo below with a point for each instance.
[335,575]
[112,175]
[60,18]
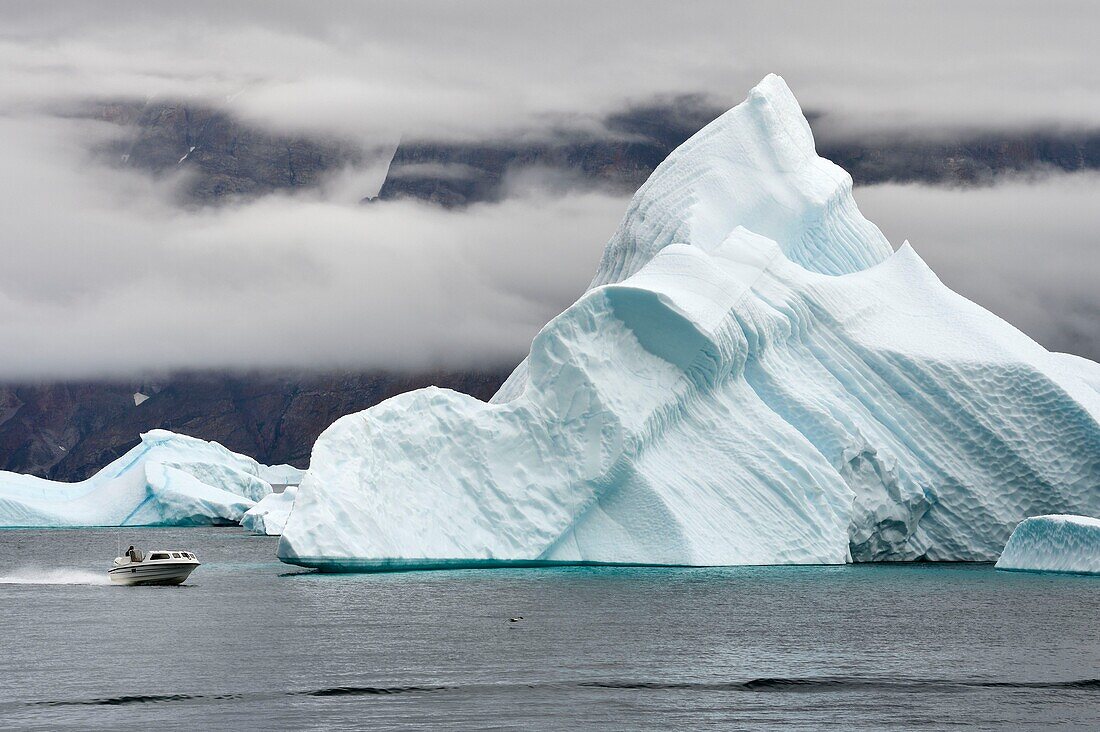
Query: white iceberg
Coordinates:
[1054,544]
[269,516]
[166,480]
[754,377]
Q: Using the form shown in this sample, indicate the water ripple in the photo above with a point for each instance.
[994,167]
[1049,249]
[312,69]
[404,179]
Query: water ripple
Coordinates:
[821,684]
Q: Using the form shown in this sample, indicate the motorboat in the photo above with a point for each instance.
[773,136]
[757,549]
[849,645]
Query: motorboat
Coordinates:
[159,567]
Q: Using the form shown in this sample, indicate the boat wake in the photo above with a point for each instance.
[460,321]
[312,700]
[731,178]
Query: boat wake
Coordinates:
[54,576]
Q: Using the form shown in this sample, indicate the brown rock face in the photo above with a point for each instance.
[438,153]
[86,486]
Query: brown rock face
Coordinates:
[225,159]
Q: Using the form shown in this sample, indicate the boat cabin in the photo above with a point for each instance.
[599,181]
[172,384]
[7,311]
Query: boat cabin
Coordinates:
[161,555]
[158,555]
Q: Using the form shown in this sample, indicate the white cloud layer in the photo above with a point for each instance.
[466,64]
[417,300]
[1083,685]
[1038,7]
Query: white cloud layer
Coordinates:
[1029,250]
[101,274]
[470,69]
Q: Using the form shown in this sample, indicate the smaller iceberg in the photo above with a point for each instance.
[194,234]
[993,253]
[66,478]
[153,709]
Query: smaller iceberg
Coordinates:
[166,480]
[1057,543]
[269,516]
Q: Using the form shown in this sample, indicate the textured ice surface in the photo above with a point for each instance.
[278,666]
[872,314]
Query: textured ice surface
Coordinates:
[754,377]
[1054,544]
[270,514]
[168,479]
[754,167]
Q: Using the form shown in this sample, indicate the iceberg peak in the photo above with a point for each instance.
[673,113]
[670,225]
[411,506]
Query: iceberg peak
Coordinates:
[756,168]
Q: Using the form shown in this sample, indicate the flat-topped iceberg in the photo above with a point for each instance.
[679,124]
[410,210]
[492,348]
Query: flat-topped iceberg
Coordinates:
[754,377]
[166,480]
[269,516]
[1054,544]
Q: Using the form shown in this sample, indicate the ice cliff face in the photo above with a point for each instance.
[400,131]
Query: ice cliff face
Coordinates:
[167,480]
[752,378]
[1054,544]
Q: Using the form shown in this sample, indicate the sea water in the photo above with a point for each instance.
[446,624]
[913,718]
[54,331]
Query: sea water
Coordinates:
[249,643]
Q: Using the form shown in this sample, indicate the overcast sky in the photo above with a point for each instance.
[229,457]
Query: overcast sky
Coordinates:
[103,273]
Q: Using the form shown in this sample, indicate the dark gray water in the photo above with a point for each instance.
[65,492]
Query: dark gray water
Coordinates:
[250,643]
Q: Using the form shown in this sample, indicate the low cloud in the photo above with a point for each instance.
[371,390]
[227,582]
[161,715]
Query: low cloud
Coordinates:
[1029,250]
[480,69]
[104,275]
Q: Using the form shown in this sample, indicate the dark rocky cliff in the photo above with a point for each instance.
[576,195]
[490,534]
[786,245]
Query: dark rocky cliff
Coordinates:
[68,431]
[229,160]
[226,160]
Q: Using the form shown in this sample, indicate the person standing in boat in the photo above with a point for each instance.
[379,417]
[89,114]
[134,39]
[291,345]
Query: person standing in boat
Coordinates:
[133,554]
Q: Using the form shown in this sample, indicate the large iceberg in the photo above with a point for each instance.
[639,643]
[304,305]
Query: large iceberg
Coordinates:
[166,480]
[754,377]
[269,516]
[1054,544]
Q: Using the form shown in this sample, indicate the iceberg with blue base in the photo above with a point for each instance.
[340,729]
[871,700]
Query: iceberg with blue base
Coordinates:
[754,377]
[1054,544]
[166,480]
[269,515]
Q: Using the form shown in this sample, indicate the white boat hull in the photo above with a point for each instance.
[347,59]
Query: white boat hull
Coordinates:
[152,573]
